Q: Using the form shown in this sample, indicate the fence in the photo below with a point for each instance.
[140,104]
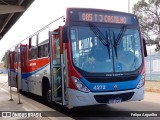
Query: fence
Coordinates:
[152,64]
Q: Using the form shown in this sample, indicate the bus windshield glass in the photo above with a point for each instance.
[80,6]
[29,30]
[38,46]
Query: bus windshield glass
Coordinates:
[97,49]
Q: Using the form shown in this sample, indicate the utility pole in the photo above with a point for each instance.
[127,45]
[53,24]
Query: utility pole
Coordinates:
[150,62]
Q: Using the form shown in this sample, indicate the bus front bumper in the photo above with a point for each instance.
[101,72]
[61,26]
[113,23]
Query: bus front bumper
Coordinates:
[77,98]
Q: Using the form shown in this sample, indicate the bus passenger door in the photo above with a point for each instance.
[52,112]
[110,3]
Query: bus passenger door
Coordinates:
[18,66]
[24,66]
[55,63]
[57,68]
[11,69]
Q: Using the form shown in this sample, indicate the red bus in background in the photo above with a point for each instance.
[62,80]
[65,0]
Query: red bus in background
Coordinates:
[90,57]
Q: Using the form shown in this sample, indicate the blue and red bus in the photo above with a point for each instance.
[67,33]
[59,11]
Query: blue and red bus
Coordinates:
[88,57]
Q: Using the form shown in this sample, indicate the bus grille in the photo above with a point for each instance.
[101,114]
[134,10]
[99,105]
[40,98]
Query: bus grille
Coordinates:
[106,98]
[110,79]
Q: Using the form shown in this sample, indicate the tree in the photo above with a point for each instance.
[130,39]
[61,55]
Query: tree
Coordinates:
[4,60]
[148,14]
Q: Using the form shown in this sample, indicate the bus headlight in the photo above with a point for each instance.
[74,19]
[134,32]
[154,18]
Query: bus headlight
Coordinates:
[141,82]
[80,86]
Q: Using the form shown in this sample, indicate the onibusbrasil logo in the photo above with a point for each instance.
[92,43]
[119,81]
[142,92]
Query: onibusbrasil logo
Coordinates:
[20,114]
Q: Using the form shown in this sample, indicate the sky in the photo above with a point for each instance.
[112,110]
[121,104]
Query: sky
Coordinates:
[42,12]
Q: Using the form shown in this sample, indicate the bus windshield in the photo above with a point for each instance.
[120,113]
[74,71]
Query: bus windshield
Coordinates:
[106,49]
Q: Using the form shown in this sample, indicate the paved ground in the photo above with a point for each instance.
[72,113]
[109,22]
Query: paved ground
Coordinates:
[152,86]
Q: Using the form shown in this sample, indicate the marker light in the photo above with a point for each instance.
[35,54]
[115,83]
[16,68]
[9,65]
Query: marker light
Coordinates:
[80,86]
[141,82]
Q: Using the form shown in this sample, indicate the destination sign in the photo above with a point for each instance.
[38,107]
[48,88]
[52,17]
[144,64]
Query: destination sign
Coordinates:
[105,18]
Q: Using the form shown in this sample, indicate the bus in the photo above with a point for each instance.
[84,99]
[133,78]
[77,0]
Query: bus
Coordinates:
[87,57]
[11,71]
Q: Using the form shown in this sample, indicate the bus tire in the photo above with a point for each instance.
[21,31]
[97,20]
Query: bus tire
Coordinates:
[46,92]
[48,96]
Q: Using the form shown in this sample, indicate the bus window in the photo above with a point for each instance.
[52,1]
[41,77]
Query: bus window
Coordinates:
[56,53]
[43,45]
[43,50]
[42,36]
[24,56]
[129,52]
[33,52]
[34,41]
[15,57]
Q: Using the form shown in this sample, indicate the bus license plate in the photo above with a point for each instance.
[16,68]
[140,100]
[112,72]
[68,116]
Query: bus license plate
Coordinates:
[112,101]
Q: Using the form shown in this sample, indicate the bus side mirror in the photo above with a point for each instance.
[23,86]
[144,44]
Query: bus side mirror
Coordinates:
[64,34]
[144,48]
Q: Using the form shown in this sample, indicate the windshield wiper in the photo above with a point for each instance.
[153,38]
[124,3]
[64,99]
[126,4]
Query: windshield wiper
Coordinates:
[101,37]
[119,38]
